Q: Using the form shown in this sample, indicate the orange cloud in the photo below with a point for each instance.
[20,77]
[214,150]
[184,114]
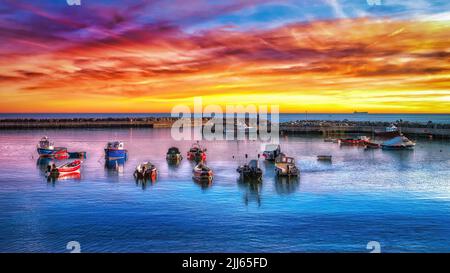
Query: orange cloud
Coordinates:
[378,65]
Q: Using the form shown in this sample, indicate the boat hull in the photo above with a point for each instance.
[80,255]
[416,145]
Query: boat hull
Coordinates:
[203,175]
[58,153]
[251,175]
[196,156]
[114,154]
[174,157]
[387,147]
[65,170]
[147,175]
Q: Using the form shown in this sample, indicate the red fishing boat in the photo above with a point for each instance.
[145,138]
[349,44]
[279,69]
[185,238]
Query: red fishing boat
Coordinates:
[64,170]
[362,140]
[196,152]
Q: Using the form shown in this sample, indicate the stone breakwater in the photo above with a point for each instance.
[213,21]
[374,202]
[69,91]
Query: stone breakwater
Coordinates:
[300,126]
[365,127]
[162,122]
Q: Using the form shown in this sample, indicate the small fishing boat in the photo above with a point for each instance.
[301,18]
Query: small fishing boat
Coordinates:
[115,150]
[324,157]
[63,170]
[388,132]
[271,152]
[240,127]
[201,172]
[285,166]
[398,143]
[361,140]
[45,148]
[250,170]
[146,171]
[197,153]
[174,154]
[334,140]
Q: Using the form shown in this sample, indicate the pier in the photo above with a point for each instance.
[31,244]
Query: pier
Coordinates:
[293,127]
[327,128]
[150,122]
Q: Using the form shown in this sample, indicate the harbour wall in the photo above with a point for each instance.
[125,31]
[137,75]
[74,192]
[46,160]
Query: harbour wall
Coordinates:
[296,127]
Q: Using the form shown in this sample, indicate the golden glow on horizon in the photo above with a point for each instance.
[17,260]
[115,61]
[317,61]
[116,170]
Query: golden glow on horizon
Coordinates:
[380,66]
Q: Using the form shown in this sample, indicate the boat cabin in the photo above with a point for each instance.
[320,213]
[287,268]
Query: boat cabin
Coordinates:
[284,159]
[44,143]
[115,145]
[173,150]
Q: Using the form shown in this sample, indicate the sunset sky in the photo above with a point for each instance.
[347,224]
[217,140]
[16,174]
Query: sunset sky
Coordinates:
[147,56]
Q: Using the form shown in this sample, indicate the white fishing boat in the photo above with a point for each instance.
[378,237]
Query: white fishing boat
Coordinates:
[398,143]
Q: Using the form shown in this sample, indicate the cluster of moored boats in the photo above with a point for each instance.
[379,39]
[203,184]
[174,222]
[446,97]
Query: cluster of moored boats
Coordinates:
[396,140]
[115,151]
[284,165]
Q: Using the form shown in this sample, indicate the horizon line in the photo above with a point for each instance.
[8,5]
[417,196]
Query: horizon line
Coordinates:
[288,113]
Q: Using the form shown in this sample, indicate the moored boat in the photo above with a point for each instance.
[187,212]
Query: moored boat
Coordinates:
[324,157]
[201,172]
[146,171]
[398,143]
[45,148]
[250,170]
[197,153]
[174,154]
[271,151]
[388,132]
[115,150]
[361,140]
[285,166]
[64,170]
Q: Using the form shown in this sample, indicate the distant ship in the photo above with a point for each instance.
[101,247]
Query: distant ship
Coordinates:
[356,112]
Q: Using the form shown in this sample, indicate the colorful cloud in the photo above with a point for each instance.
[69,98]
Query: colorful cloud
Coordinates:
[147,56]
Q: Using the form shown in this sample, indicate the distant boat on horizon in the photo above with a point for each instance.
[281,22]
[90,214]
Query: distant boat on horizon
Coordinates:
[356,112]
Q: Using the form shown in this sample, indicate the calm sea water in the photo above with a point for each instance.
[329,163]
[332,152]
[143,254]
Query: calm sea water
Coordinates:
[422,118]
[399,198]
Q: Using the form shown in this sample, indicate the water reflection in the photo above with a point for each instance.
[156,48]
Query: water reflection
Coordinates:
[143,183]
[42,164]
[173,164]
[252,191]
[286,185]
[402,157]
[116,166]
[70,176]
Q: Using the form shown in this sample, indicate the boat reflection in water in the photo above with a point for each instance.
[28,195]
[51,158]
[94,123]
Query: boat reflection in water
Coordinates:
[143,183]
[42,163]
[68,176]
[204,184]
[252,190]
[285,185]
[116,165]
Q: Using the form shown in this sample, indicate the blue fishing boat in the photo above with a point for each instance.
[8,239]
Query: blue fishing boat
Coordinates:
[46,149]
[115,150]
